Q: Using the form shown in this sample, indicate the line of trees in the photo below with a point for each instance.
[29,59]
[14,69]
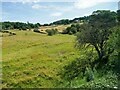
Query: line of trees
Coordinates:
[67,21]
[19,25]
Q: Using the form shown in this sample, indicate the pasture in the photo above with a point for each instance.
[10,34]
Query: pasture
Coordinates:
[33,60]
[60,28]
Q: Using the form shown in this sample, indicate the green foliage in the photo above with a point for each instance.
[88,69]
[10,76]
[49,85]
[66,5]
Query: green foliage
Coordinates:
[61,22]
[75,69]
[19,25]
[107,81]
[5,31]
[36,30]
[72,30]
[99,35]
[67,21]
[52,32]
[103,19]
[114,42]
[12,33]
[97,32]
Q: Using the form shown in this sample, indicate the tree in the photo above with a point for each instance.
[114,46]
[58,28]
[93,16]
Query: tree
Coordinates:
[61,22]
[78,27]
[96,33]
[19,25]
[70,30]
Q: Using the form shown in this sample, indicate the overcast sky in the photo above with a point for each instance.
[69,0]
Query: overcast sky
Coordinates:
[46,12]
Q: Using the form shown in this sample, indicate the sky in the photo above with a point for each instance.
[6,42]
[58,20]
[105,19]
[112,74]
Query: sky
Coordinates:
[37,11]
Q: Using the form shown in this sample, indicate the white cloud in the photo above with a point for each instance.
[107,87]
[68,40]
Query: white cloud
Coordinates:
[82,4]
[37,6]
[29,1]
[56,14]
[87,14]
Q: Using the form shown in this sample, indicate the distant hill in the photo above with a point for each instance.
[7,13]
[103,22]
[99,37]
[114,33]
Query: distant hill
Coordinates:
[67,21]
[19,25]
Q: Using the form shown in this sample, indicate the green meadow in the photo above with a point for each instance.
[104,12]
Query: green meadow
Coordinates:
[33,60]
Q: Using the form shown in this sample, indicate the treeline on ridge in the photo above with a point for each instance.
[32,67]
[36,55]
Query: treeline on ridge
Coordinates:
[23,26]
[18,25]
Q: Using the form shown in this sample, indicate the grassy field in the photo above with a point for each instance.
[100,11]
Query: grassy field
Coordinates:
[59,27]
[33,60]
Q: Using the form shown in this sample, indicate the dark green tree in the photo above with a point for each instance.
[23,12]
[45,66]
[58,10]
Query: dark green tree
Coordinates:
[96,33]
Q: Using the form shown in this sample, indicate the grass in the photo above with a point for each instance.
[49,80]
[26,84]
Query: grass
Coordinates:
[33,60]
[60,28]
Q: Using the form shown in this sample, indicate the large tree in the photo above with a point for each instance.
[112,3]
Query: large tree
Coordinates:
[96,33]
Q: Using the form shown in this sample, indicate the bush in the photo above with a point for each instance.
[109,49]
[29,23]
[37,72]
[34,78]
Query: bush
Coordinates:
[51,32]
[24,28]
[12,33]
[4,31]
[70,30]
[36,30]
[75,69]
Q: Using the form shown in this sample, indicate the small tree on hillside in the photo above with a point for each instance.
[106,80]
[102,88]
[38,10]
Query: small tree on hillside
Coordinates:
[70,30]
[51,32]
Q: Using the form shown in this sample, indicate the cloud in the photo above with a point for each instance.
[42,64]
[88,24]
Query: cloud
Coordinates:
[37,6]
[29,1]
[56,14]
[83,4]
[87,14]
[24,1]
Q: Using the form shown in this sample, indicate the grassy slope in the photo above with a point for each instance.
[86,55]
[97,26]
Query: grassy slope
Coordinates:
[59,27]
[33,60]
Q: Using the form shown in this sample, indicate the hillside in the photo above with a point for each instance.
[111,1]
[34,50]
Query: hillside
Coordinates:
[60,28]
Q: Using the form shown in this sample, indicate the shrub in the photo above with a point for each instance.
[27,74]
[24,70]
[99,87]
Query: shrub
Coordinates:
[70,30]
[75,69]
[12,33]
[51,32]
[36,30]
[4,31]
[24,28]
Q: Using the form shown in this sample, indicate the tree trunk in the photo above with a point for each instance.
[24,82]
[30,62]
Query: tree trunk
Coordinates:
[100,53]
